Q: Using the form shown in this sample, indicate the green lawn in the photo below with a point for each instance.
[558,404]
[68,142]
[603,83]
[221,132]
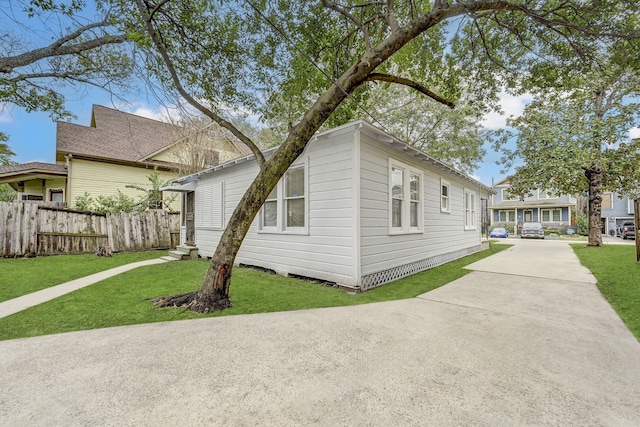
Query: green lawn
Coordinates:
[618,275]
[125,299]
[20,276]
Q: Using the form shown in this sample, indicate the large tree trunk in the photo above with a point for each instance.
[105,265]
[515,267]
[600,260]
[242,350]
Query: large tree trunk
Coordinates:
[594,176]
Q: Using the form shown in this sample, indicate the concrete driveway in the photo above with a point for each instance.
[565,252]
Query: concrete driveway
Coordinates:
[524,340]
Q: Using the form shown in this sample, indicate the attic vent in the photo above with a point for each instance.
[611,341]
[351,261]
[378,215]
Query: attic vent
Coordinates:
[374,280]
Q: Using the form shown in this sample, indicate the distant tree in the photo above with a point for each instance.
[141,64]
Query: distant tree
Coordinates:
[452,135]
[574,139]
[152,197]
[7,194]
[81,51]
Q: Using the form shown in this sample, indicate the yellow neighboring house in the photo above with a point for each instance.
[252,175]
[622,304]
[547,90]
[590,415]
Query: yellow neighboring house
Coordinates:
[116,150]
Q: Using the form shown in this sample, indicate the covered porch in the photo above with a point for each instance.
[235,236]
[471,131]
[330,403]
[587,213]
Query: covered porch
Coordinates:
[36,181]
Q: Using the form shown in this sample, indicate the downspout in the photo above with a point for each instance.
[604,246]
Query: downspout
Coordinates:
[357,236]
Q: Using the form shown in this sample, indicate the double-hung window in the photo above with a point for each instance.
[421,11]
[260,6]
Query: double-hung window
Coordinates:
[405,198]
[469,210]
[445,196]
[549,215]
[286,207]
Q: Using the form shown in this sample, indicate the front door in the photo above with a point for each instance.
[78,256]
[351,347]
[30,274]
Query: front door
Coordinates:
[528,216]
[189,218]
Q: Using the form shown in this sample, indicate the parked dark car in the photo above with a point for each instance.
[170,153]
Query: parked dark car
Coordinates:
[532,230]
[499,232]
[628,230]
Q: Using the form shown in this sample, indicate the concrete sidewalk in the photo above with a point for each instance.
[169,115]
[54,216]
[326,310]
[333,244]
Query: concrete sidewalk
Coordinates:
[506,345]
[15,305]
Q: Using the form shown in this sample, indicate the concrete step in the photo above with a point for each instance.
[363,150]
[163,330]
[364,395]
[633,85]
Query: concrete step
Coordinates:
[184,252]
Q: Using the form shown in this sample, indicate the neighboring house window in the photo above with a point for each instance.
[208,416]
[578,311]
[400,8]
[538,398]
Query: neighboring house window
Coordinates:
[445,194]
[286,207]
[549,215]
[630,202]
[544,195]
[607,201]
[56,195]
[405,205]
[507,216]
[506,195]
[469,210]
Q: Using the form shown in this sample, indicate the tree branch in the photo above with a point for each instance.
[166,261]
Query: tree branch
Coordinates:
[160,46]
[352,18]
[58,48]
[410,83]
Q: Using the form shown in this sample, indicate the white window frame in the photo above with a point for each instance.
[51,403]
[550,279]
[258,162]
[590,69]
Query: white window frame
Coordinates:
[630,205]
[470,209]
[507,214]
[550,213]
[445,201]
[546,195]
[502,191]
[406,201]
[281,205]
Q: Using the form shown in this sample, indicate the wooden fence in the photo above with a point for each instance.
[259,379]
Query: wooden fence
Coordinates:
[27,229]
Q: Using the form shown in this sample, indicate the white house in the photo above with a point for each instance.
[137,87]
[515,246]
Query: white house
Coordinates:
[359,208]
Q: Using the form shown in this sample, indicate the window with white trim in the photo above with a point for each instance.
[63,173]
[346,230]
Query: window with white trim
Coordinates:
[469,210]
[545,195]
[549,215]
[286,207]
[445,196]
[506,216]
[630,204]
[270,210]
[294,197]
[506,195]
[405,198]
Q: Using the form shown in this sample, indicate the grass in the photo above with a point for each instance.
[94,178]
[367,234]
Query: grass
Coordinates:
[124,299]
[21,276]
[618,274]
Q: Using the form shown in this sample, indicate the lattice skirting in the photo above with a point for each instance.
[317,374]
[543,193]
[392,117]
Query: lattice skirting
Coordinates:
[380,278]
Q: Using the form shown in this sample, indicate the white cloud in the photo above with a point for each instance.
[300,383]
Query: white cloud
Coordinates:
[511,106]
[634,133]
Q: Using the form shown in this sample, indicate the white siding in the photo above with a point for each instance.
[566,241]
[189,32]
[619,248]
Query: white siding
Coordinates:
[443,232]
[327,251]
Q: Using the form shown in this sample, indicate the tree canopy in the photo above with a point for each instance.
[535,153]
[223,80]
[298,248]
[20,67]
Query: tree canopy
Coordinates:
[48,46]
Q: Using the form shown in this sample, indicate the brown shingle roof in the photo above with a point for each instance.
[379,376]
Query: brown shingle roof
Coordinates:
[116,135]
